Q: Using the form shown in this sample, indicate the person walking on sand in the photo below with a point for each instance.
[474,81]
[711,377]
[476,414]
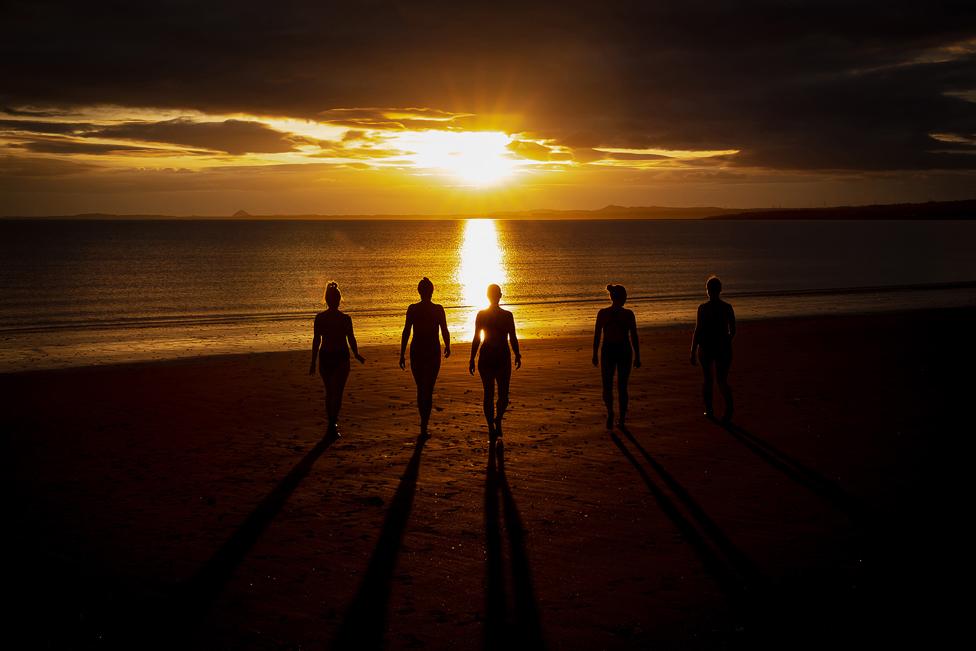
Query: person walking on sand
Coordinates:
[712,341]
[617,326]
[425,319]
[331,331]
[495,362]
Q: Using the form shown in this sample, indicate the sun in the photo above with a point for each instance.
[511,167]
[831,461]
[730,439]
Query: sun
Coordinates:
[478,158]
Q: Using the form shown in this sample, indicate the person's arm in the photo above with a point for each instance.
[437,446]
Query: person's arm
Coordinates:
[316,342]
[597,330]
[444,333]
[475,343]
[731,323]
[634,341]
[514,339]
[694,337]
[405,337]
[352,342]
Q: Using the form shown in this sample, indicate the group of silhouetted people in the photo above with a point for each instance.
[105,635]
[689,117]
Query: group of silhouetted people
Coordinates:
[616,348]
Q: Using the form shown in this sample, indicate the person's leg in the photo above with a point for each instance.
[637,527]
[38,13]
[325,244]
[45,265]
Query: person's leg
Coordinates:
[327,372]
[430,378]
[488,383]
[331,406]
[422,403]
[340,376]
[623,377]
[426,402]
[706,365]
[504,379]
[722,366]
[420,373]
[607,365]
[326,387]
[426,377]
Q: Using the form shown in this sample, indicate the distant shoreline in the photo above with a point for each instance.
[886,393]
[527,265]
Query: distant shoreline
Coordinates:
[927,211]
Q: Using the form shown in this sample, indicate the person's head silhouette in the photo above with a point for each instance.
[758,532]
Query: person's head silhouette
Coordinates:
[494,294]
[618,294]
[713,286]
[332,295]
[425,288]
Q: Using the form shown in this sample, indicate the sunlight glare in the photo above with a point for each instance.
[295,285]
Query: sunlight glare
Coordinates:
[479,158]
[481,263]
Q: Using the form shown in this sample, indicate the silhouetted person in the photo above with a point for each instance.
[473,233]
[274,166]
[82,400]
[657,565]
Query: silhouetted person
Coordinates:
[331,331]
[714,331]
[620,349]
[425,318]
[495,362]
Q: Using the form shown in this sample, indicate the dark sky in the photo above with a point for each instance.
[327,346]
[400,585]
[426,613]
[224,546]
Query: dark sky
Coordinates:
[878,98]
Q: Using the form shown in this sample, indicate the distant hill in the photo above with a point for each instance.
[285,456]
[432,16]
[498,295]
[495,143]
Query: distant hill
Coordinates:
[241,214]
[930,210]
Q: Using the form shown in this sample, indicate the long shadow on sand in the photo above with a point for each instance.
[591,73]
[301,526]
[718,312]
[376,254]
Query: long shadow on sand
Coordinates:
[860,590]
[798,472]
[121,615]
[364,626]
[730,584]
[740,561]
[205,586]
[524,630]
[852,603]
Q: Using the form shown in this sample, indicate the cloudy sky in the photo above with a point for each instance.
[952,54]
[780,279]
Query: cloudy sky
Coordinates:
[440,107]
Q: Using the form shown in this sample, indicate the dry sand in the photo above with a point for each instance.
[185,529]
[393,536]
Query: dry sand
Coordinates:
[195,503]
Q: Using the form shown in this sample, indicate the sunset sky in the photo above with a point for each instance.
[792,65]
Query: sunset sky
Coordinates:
[447,107]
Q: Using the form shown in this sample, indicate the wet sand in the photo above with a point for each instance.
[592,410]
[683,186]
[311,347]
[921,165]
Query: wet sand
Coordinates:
[196,504]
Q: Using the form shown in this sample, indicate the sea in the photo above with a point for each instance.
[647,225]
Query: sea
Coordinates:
[77,292]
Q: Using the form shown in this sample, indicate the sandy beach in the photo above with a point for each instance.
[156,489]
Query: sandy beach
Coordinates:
[196,504]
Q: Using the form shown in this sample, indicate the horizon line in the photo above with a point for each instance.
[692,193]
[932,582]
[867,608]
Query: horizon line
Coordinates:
[609,211]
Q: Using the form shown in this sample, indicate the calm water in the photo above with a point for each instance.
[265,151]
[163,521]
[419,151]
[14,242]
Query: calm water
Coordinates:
[92,292]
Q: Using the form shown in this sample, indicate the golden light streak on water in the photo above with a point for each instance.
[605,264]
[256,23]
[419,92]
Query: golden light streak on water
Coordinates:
[481,262]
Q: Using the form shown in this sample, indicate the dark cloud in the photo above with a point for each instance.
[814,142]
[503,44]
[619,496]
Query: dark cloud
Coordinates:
[81,147]
[338,150]
[230,136]
[530,150]
[33,113]
[587,155]
[391,119]
[793,85]
[630,156]
[44,126]
[394,113]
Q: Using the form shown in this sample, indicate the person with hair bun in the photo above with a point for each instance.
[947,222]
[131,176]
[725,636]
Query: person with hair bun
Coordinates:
[617,327]
[331,331]
[712,341]
[425,319]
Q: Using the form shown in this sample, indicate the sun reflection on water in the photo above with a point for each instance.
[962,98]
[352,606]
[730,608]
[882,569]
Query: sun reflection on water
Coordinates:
[481,263]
